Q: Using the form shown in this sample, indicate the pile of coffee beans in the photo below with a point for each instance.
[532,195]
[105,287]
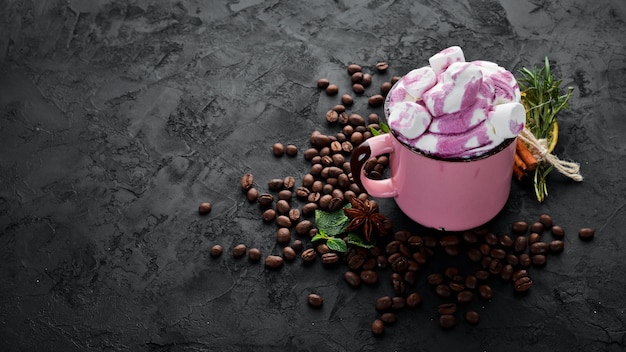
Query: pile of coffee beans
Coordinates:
[291,201]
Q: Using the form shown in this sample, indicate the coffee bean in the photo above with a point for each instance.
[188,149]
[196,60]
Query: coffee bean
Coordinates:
[309,209]
[315,300]
[484,249]
[291,150]
[310,153]
[322,83]
[519,245]
[495,266]
[276,184]
[269,215]
[320,140]
[539,248]
[330,258]
[519,274]
[456,286]
[283,235]
[382,66]
[367,80]
[471,281]
[369,277]
[358,88]
[356,120]
[397,303]
[352,68]
[410,277]
[288,183]
[373,118]
[585,234]
[239,250]
[485,291]
[443,291]
[375,100]
[512,259]
[474,254]
[347,100]
[506,272]
[491,239]
[556,246]
[294,215]
[278,149]
[451,271]
[322,248]
[273,262]
[332,89]
[216,251]
[378,327]
[289,254]
[505,241]
[389,318]
[546,220]
[352,278]
[469,237]
[446,308]
[413,300]
[434,279]
[308,255]
[252,195]
[447,321]
[385,87]
[523,284]
[538,260]
[357,77]
[204,208]
[472,317]
[533,238]
[449,240]
[254,254]
[482,275]
[464,297]
[247,181]
[283,221]
[497,253]
[524,260]
[536,227]
[282,206]
[558,232]
[383,303]
[297,245]
[519,227]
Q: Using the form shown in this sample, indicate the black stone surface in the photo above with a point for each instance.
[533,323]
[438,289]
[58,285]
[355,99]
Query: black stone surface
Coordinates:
[118,118]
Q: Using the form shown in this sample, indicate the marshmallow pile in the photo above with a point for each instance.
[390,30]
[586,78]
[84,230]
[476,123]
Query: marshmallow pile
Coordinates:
[456,109]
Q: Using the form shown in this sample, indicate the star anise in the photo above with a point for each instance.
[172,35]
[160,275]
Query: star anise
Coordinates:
[364,215]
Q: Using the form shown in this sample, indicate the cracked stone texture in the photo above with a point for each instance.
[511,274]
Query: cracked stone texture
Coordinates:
[119,117]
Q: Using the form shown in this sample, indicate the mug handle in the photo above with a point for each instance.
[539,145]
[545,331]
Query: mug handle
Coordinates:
[374,146]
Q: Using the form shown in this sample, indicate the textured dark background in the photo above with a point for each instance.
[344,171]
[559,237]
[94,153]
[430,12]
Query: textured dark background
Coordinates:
[117,118]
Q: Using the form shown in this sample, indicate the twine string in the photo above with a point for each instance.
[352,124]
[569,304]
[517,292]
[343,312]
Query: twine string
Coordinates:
[539,148]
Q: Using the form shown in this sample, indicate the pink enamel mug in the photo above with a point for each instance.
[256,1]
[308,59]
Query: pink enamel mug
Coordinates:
[445,194]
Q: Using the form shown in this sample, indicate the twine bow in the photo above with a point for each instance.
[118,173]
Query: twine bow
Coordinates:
[539,148]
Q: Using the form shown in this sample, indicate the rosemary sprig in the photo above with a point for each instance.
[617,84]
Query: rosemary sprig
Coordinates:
[543,101]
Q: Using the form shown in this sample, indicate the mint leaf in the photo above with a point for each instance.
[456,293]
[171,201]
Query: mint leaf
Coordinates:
[374,131]
[319,236]
[384,127]
[336,244]
[331,223]
[357,240]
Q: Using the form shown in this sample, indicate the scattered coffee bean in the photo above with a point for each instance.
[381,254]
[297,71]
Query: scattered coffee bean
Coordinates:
[464,297]
[254,254]
[322,83]
[378,327]
[283,221]
[332,89]
[369,277]
[520,243]
[278,149]
[519,227]
[204,208]
[539,260]
[216,251]
[239,250]
[382,66]
[352,68]
[252,195]
[533,238]
[557,231]
[383,303]
[375,100]
[358,88]
[523,284]
[413,300]
[347,100]
[485,291]
[247,181]
[352,278]
[539,248]
[273,262]
[446,308]
[472,317]
[276,184]
[447,321]
[315,300]
[291,150]
[443,291]
[536,227]
[389,318]
[385,87]
[308,255]
[585,234]
[269,215]
[434,279]
[546,220]
[283,235]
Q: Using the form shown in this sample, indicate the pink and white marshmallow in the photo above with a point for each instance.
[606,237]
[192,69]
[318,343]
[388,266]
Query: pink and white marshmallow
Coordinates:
[454,108]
